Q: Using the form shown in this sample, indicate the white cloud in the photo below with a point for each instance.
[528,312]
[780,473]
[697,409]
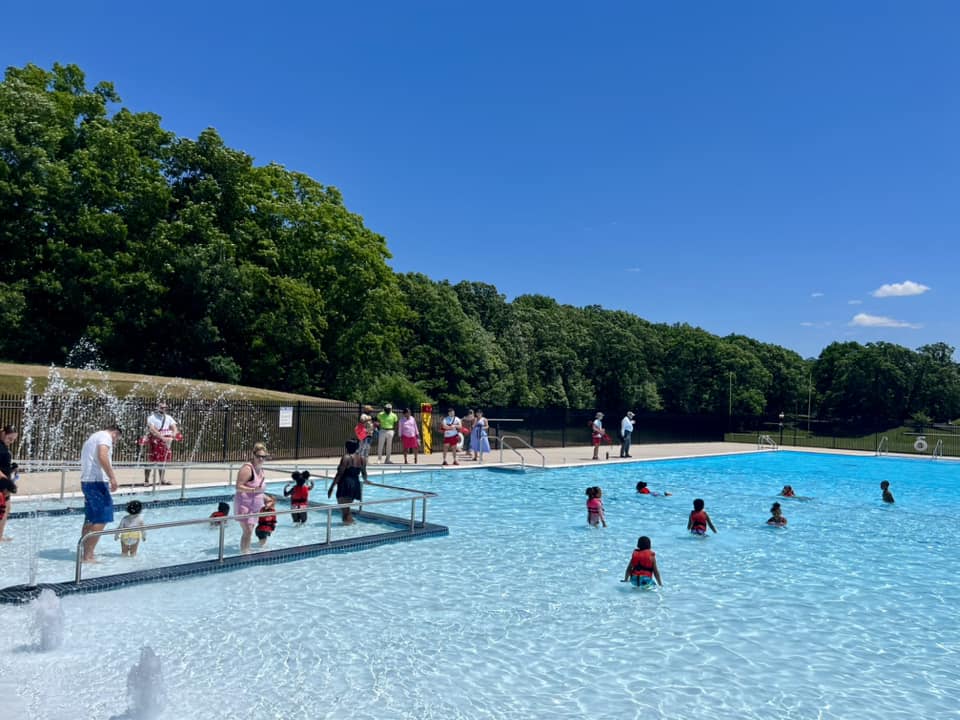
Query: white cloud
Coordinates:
[807,323]
[854,302]
[816,294]
[865,320]
[908,287]
[634,269]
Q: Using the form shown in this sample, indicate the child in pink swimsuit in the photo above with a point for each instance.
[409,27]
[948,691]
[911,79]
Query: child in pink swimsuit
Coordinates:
[595,514]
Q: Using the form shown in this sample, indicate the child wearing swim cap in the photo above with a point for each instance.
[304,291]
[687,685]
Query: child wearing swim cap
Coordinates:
[129,532]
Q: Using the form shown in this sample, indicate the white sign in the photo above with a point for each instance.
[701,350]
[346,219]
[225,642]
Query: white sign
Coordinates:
[286,416]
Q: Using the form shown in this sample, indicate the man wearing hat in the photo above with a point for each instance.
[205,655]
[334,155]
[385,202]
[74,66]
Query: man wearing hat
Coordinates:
[388,424]
[626,428]
[598,434]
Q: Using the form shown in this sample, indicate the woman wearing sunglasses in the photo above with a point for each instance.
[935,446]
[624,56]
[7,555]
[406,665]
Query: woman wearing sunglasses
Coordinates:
[249,497]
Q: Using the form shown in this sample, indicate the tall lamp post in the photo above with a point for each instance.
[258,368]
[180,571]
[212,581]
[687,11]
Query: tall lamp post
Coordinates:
[781,428]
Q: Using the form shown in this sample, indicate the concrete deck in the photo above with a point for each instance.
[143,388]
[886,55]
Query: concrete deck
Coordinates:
[48,483]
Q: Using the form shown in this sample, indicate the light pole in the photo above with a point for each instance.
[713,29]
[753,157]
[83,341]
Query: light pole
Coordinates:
[781,427]
[730,398]
[809,396]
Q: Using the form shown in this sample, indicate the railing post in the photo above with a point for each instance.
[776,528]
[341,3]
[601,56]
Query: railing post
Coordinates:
[223,529]
[329,524]
[63,481]
[76,572]
[424,509]
[183,482]
[413,514]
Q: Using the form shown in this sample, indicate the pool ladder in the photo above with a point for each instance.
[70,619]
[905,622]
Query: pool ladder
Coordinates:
[504,445]
[882,446]
[765,441]
[938,450]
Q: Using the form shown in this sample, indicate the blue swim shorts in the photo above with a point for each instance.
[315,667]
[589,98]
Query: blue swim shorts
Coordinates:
[98,506]
[641,580]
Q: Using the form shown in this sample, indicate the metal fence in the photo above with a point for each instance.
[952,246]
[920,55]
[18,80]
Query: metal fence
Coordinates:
[225,430]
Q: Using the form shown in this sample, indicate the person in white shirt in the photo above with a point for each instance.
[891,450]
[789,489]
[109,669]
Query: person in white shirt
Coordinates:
[97,480]
[626,428]
[451,435]
[161,432]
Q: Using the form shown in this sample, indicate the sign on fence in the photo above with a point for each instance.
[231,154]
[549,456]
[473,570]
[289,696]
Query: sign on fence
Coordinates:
[286,416]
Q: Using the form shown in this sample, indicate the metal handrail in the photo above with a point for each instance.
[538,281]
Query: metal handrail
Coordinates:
[503,443]
[315,470]
[937,450]
[422,496]
[766,441]
[882,446]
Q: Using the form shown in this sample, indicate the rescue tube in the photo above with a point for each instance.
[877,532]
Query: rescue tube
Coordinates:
[920,444]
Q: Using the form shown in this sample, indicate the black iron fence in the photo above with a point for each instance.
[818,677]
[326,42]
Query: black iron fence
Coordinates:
[225,430]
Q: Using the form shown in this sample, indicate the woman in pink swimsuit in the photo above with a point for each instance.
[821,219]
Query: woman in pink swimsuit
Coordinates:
[249,497]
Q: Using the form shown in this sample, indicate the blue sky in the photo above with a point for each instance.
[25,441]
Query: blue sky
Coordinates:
[788,171]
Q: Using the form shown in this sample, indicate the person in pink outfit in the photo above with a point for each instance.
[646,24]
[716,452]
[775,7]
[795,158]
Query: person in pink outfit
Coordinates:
[409,435]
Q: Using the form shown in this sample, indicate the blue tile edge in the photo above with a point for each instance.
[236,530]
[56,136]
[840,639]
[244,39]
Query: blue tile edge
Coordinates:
[17,594]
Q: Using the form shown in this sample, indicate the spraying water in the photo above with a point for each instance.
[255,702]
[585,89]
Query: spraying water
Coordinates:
[145,688]
[48,620]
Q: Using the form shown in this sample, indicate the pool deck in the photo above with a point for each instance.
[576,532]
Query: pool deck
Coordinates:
[48,483]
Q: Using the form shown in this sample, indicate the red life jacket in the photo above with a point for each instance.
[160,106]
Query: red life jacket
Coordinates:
[299,495]
[698,521]
[217,513]
[642,562]
[268,523]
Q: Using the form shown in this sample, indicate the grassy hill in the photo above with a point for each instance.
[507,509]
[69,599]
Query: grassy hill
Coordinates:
[13,381]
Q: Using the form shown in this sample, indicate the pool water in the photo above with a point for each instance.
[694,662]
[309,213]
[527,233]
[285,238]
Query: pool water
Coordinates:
[849,612]
[45,550]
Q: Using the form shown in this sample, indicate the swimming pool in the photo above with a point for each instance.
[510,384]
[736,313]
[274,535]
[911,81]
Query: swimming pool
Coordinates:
[46,547]
[519,612]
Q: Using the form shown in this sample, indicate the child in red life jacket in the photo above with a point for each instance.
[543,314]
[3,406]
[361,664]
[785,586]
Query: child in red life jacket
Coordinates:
[223,509]
[699,520]
[642,569]
[644,490]
[266,524]
[299,493]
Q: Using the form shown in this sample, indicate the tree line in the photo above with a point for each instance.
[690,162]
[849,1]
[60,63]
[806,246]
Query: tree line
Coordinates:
[180,257]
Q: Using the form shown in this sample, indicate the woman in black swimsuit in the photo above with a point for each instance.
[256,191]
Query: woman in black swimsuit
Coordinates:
[347,480]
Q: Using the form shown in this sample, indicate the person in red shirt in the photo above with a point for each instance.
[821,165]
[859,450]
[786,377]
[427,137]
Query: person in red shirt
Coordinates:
[642,569]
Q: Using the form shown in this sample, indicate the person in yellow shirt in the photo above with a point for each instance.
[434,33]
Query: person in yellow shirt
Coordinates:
[388,425]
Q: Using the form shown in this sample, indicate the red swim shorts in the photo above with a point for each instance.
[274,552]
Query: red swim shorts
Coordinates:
[452,440]
[597,439]
[159,452]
